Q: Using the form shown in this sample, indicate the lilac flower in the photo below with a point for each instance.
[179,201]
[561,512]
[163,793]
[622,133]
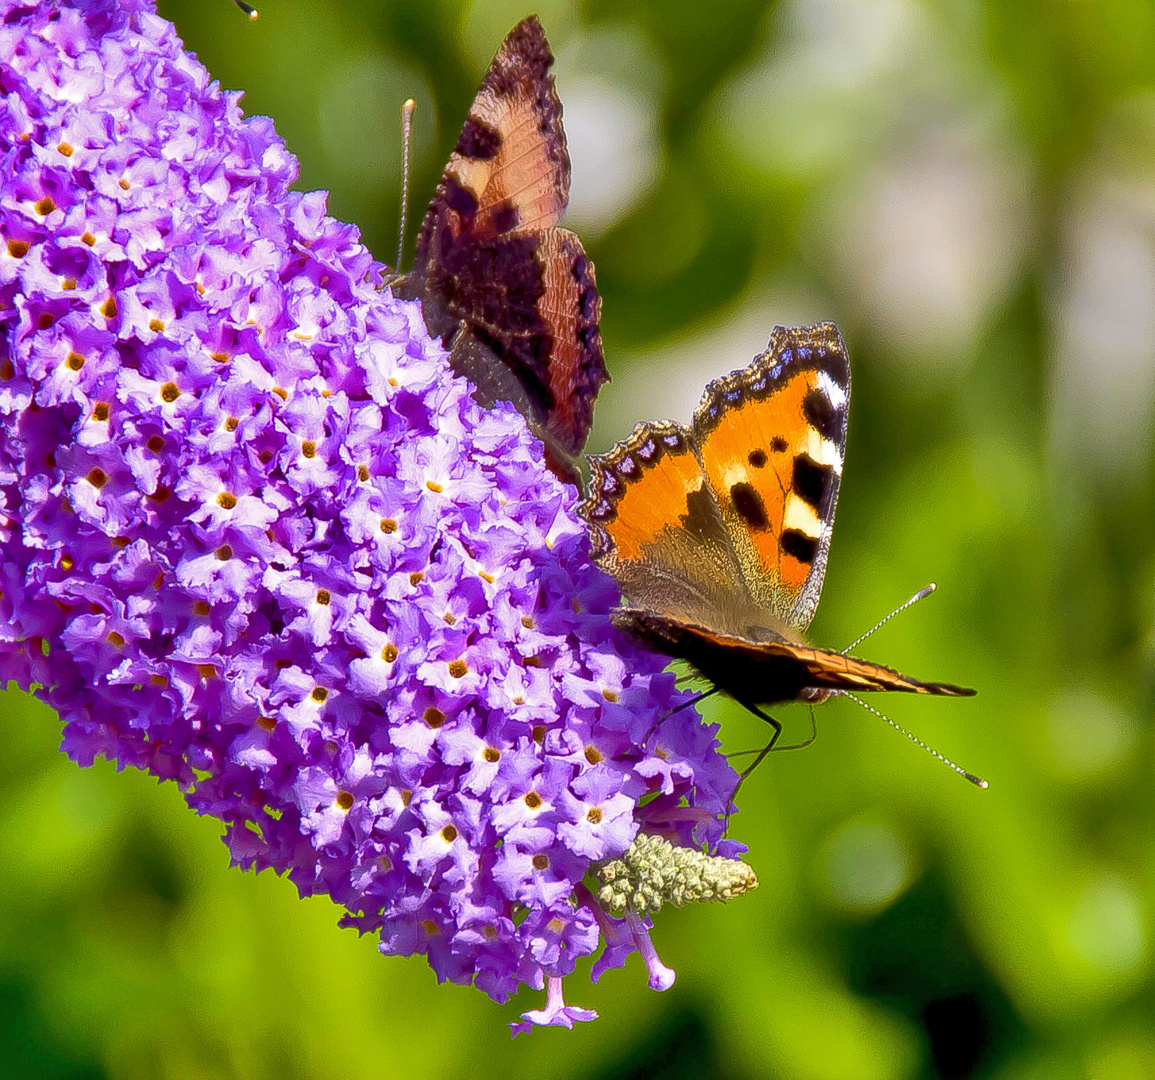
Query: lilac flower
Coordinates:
[256,539]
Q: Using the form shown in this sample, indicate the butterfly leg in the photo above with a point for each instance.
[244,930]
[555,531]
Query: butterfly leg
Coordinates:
[805,742]
[677,709]
[759,758]
[688,704]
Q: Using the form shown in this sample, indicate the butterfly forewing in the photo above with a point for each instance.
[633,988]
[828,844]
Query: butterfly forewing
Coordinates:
[509,172]
[770,439]
[839,672]
[773,670]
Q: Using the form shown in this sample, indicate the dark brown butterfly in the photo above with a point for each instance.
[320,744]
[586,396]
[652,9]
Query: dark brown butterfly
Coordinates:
[511,295]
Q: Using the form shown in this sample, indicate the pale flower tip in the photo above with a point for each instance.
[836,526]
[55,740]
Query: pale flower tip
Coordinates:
[653,872]
[661,977]
[555,1014]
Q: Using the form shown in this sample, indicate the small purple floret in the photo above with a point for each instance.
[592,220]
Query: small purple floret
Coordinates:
[255,538]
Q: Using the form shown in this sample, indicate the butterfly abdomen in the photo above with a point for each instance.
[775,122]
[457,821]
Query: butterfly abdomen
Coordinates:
[755,674]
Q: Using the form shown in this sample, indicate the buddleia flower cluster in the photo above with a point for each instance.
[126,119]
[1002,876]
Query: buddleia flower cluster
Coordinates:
[256,539]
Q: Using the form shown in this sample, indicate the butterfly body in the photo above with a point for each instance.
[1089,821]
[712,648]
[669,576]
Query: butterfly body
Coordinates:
[718,533]
[513,296]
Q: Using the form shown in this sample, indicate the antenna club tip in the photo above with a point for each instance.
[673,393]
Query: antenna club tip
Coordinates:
[978,781]
[408,106]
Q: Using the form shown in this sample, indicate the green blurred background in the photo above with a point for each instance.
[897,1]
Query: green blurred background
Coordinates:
[967,189]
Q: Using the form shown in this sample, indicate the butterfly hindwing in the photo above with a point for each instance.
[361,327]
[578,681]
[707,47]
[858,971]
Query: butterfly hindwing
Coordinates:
[570,309]
[656,528]
[492,265]
[771,439]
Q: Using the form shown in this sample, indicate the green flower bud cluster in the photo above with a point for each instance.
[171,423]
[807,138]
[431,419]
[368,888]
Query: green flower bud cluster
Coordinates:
[654,872]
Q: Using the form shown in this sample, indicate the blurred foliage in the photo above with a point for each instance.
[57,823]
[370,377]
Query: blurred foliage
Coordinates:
[968,190]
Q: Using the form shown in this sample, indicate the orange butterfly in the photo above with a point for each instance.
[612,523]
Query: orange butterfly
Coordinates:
[718,534]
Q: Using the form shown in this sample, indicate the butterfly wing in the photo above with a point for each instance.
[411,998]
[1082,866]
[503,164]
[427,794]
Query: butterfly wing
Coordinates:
[657,530]
[490,264]
[834,671]
[776,670]
[770,439]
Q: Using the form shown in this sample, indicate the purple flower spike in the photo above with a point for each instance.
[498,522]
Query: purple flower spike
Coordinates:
[255,538]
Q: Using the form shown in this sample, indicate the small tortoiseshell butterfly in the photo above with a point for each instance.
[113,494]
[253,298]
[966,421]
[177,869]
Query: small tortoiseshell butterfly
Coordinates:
[511,295]
[718,534]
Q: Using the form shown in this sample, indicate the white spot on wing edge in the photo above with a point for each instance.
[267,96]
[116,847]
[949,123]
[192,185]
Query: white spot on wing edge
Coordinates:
[800,515]
[837,394]
[823,451]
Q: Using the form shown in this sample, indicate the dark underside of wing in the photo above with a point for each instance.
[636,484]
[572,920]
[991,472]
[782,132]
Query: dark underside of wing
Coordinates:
[533,302]
[499,282]
[767,672]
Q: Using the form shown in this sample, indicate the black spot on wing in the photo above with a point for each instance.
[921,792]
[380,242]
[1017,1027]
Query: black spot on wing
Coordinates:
[700,518]
[804,548]
[460,199]
[821,413]
[814,483]
[757,458]
[778,444]
[478,140]
[505,217]
[749,505]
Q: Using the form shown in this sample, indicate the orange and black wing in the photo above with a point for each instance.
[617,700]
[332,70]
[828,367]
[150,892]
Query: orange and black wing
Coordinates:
[490,264]
[771,439]
[657,530]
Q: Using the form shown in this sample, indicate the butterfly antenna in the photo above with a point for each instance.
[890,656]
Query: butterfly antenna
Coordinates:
[978,781]
[406,129]
[248,9]
[922,594]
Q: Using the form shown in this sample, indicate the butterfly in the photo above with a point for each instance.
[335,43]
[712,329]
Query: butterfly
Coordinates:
[718,533]
[512,296]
